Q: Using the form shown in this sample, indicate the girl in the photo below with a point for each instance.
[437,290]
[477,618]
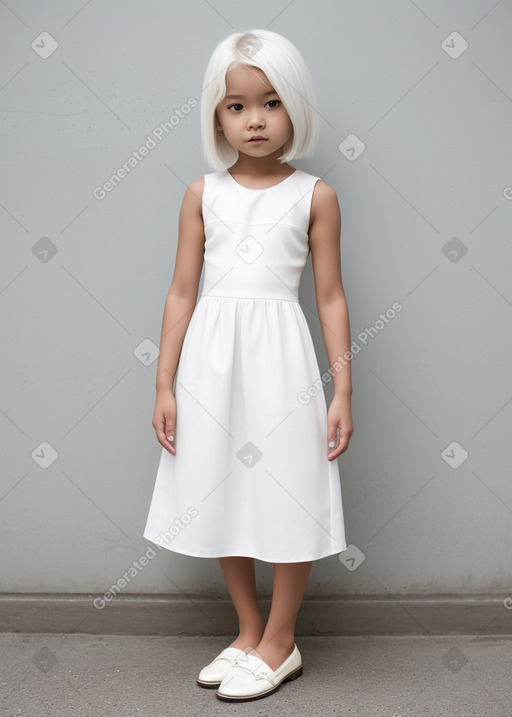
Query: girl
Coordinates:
[248,467]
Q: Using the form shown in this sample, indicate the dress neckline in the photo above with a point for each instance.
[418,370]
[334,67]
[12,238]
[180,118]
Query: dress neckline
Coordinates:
[265,189]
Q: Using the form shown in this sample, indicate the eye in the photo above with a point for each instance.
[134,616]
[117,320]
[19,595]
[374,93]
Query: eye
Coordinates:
[235,105]
[277,102]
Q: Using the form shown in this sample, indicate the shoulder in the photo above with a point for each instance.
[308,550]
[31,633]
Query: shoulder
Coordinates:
[324,203]
[323,193]
[196,187]
[193,197]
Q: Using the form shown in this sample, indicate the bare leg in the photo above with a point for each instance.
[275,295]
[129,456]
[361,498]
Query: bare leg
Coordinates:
[241,581]
[290,580]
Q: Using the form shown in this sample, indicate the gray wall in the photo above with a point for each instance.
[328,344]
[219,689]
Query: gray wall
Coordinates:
[426,222]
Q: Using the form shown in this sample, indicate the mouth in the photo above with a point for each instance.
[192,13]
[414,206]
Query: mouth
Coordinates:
[258,139]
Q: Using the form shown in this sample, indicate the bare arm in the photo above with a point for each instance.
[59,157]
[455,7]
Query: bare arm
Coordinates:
[324,240]
[178,310]
[182,295]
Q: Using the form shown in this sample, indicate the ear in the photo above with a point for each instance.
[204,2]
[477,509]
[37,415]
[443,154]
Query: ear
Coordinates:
[217,123]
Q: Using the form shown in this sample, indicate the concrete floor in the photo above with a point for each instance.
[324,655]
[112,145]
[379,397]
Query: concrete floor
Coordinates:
[109,675]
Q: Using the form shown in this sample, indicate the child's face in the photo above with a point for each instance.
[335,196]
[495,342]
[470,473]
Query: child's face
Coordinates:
[255,110]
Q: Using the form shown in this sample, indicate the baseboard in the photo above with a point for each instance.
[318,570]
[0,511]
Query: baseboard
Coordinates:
[170,615]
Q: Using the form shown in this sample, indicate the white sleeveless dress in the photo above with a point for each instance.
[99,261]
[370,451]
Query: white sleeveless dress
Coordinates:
[250,476]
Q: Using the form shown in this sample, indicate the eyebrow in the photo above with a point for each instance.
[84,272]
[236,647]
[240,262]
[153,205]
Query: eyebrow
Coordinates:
[232,97]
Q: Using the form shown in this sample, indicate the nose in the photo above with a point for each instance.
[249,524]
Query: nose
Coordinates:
[255,121]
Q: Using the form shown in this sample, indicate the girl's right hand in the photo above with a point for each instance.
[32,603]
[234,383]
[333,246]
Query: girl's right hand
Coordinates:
[164,419]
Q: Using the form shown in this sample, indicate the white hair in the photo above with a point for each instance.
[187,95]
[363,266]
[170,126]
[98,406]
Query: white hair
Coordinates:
[285,69]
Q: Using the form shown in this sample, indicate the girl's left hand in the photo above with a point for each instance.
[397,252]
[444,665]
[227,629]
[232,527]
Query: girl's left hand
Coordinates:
[339,426]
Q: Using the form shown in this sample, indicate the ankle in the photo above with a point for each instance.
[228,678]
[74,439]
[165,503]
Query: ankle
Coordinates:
[248,638]
[252,628]
[245,642]
[283,644]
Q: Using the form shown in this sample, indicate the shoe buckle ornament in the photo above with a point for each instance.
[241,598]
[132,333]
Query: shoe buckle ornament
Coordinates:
[265,676]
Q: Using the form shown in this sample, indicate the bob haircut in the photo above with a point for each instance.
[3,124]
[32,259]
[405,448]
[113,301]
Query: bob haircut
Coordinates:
[285,69]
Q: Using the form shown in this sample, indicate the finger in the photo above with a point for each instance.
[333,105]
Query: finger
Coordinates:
[336,452]
[341,446]
[165,442]
[333,433]
[169,434]
[166,435]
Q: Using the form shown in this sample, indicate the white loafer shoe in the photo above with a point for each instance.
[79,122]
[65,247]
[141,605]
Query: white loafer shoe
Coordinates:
[251,678]
[213,674]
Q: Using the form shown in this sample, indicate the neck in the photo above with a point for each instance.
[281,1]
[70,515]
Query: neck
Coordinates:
[261,166]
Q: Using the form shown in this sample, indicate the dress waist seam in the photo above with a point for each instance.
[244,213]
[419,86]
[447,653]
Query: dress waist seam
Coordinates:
[250,298]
